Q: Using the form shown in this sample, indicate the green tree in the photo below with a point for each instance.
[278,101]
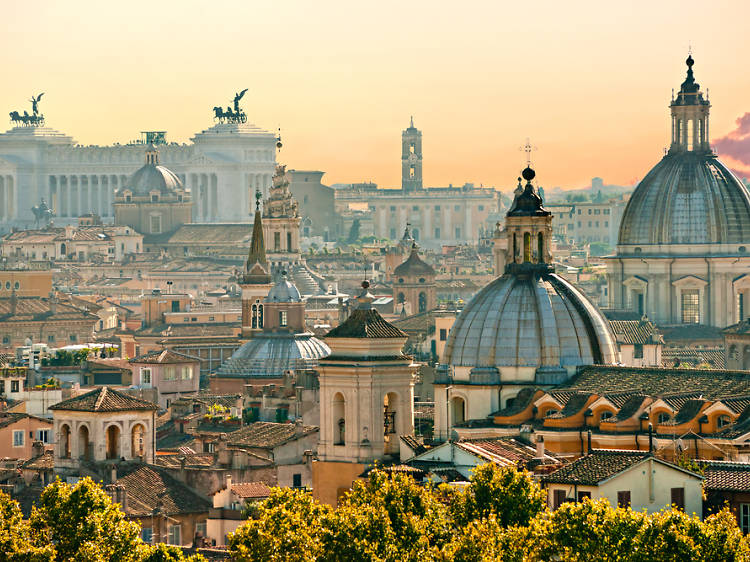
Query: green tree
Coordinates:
[388,517]
[354,232]
[289,526]
[15,537]
[83,524]
[509,495]
[165,553]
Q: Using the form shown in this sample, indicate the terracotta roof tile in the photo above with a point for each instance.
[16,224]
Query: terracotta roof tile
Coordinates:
[267,435]
[251,490]
[635,331]
[595,467]
[164,356]
[726,476]
[366,323]
[103,399]
[148,486]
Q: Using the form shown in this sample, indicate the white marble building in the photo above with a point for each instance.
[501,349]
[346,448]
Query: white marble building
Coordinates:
[222,166]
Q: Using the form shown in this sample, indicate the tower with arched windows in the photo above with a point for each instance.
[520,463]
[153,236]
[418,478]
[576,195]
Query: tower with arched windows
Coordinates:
[411,158]
[255,280]
[100,426]
[366,398]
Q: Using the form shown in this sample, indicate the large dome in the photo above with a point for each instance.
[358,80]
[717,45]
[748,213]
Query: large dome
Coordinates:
[270,355]
[687,198]
[152,177]
[535,321]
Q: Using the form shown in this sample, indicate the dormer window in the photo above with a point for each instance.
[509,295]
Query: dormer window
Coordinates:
[154,198]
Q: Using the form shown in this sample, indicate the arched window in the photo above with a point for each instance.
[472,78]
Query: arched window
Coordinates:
[84,449]
[65,441]
[137,442]
[339,419]
[390,420]
[722,421]
[113,442]
[63,249]
[254,316]
[458,410]
[515,248]
[540,247]
[551,412]
[733,354]
[663,417]
[401,298]
[260,316]
[605,416]
[526,247]
[422,302]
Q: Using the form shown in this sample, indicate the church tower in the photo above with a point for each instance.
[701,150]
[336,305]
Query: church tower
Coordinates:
[255,280]
[411,158]
[690,116]
[281,222]
[366,398]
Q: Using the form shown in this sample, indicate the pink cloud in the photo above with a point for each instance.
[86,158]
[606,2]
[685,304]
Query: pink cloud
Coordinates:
[735,147]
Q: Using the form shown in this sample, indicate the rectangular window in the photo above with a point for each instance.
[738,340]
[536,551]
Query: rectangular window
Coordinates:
[145,375]
[175,306]
[606,211]
[2,387]
[15,386]
[437,207]
[174,535]
[583,495]
[211,318]
[73,337]
[638,351]
[559,497]
[393,208]
[437,233]
[200,528]
[282,318]
[606,224]
[146,534]
[678,498]
[745,517]
[18,437]
[480,208]
[156,224]
[51,338]
[6,339]
[277,241]
[623,498]
[170,374]
[443,334]
[288,241]
[187,373]
[42,435]
[458,232]
[691,306]
[297,480]
[415,208]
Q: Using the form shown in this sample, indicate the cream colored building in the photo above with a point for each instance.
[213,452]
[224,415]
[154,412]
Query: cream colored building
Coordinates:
[682,252]
[634,479]
[366,398]
[103,425]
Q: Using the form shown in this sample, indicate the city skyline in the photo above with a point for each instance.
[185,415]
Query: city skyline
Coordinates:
[590,86]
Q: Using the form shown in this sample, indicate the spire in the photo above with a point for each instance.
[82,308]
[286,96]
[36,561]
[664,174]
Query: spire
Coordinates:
[690,91]
[527,202]
[257,254]
[411,121]
[365,298]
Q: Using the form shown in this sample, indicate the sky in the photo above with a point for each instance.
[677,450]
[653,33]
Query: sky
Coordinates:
[588,82]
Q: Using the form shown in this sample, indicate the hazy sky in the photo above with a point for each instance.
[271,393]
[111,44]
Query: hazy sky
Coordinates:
[589,82]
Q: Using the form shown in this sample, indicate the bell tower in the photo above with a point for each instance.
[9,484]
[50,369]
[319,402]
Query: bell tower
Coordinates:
[255,280]
[690,116]
[411,158]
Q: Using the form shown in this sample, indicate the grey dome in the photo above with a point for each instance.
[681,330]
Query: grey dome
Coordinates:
[530,321]
[269,355]
[152,178]
[283,291]
[687,198]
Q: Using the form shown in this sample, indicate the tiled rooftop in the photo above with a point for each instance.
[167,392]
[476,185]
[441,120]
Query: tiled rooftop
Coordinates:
[103,399]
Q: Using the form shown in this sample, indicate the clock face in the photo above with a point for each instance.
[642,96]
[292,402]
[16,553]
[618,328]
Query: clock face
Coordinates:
[412,157]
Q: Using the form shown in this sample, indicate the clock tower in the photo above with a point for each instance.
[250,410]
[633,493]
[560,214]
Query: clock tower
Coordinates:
[411,158]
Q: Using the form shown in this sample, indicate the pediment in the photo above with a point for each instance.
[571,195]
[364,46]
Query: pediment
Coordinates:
[689,281]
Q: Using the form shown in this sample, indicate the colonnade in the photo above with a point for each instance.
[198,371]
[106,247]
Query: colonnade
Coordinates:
[76,195]
[7,198]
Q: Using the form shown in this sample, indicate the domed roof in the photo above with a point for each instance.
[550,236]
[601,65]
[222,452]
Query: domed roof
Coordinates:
[152,177]
[283,291]
[530,320]
[687,198]
[269,355]
[414,265]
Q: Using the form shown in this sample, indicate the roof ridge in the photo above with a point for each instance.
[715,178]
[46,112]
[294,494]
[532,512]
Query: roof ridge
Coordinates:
[100,399]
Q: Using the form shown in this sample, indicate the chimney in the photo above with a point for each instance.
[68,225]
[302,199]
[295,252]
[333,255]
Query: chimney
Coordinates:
[299,429]
[228,479]
[183,462]
[113,473]
[589,440]
[122,497]
[37,449]
[540,447]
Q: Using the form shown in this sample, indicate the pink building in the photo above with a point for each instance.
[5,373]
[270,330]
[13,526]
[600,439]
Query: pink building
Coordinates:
[172,374]
[18,431]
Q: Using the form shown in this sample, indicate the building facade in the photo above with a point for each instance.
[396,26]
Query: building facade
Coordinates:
[222,167]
